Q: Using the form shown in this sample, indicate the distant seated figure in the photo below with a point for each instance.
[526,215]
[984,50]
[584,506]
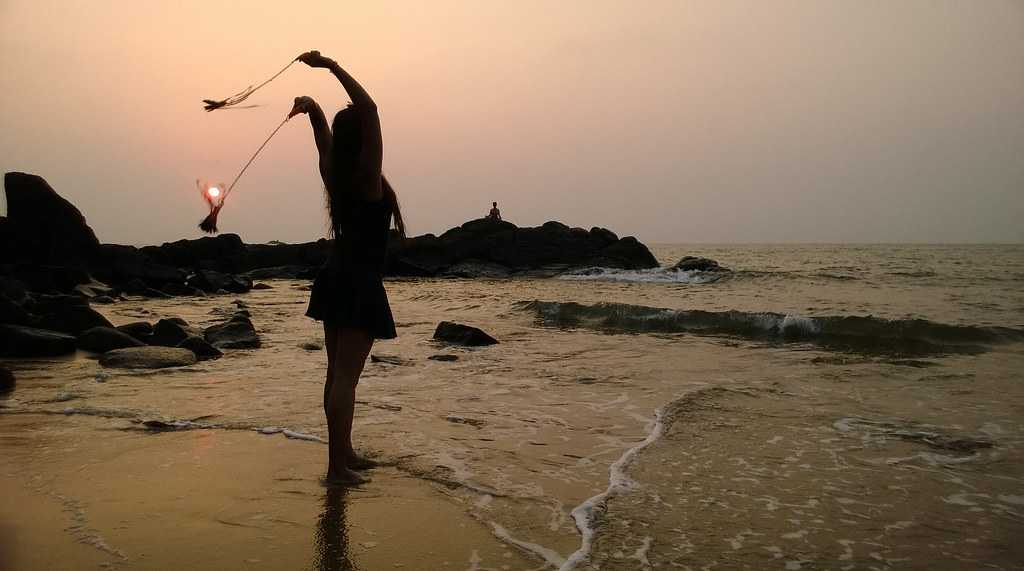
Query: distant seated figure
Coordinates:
[495,214]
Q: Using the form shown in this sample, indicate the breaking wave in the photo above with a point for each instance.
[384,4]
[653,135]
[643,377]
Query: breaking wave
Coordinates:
[852,333]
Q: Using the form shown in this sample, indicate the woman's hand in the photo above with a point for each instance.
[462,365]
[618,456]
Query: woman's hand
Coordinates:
[303,104]
[314,59]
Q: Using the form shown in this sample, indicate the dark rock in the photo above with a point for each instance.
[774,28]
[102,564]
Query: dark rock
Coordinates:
[44,303]
[443,357]
[73,320]
[6,380]
[169,332]
[148,358]
[92,290]
[311,346]
[237,333]
[42,227]
[20,341]
[200,347]
[627,254]
[140,330]
[48,278]
[208,251]
[13,313]
[102,299]
[693,263]
[103,339]
[212,281]
[462,334]
[117,264]
[261,286]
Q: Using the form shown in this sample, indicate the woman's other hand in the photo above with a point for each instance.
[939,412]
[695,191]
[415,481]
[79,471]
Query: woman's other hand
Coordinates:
[314,59]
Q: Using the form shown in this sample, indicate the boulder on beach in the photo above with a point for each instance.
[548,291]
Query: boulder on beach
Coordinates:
[236,333]
[462,334]
[21,341]
[73,319]
[148,358]
[140,330]
[694,263]
[41,227]
[6,380]
[170,332]
[200,347]
[103,339]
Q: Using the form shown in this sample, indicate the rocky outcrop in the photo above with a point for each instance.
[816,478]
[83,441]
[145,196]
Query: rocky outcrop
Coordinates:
[462,335]
[148,358]
[20,341]
[41,227]
[693,263]
[46,244]
[494,248]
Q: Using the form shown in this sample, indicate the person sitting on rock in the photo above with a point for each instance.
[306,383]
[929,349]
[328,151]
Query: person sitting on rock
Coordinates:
[495,214]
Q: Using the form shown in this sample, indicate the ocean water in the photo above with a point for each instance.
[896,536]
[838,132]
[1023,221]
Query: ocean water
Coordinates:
[820,406]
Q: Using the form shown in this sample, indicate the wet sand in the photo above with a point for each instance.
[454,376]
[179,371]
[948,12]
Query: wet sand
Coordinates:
[217,499]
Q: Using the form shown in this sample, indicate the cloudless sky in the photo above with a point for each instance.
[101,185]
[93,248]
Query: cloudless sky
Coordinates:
[675,121]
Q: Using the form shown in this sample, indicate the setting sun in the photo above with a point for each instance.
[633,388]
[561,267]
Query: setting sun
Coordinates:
[213,192]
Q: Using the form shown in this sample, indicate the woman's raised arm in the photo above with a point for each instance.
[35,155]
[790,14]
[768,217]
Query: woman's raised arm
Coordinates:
[321,130]
[372,154]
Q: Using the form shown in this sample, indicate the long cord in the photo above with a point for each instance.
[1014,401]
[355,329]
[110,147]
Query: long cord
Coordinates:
[254,155]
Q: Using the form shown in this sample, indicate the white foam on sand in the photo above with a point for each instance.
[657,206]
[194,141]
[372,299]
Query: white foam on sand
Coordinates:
[550,555]
[618,482]
[268,430]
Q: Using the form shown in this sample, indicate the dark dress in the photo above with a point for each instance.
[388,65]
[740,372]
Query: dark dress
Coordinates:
[348,291]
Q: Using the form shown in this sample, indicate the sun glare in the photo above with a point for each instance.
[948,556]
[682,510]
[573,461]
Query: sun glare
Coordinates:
[214,192]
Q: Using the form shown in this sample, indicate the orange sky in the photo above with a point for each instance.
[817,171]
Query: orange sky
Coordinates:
[674,121]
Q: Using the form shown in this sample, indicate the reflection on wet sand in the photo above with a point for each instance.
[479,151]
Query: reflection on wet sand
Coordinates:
[332,533]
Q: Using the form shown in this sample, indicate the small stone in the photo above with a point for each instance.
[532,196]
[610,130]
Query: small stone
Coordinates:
[462,334]
[443,357]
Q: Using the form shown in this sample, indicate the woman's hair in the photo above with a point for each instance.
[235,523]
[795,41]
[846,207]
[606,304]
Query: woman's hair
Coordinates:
[346,143]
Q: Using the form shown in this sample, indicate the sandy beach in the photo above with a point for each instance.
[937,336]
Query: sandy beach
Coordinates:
[98,497]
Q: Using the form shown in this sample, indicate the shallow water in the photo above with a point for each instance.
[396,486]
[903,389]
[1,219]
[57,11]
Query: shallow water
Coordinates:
[603,437]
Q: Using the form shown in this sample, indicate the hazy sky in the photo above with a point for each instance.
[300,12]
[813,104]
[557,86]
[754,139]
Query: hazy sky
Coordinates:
[680,121]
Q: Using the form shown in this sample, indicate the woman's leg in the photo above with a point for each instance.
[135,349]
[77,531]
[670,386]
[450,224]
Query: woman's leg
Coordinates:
[352,346]
[331,342]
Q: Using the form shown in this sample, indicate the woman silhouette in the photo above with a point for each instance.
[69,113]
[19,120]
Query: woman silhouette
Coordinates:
[348,295]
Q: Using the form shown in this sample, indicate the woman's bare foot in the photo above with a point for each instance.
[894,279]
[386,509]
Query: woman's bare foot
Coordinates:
[356,462]
[343,477]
